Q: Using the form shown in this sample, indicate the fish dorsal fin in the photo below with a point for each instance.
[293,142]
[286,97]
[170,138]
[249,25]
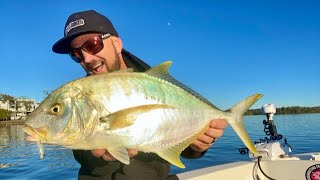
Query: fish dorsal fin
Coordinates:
[120,154]
[172,154]
[161,71]
[127,117]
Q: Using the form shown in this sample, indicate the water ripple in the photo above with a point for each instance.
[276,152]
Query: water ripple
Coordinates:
[20,159]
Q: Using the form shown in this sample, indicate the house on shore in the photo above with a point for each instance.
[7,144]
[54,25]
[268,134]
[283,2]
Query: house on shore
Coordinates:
[20,107]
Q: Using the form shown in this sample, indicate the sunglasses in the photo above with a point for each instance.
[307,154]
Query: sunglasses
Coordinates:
[91,46]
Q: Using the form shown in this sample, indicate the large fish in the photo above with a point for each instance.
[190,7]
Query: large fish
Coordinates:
[149,112]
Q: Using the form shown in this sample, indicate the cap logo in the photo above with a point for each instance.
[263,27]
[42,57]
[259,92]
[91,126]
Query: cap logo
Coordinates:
[73,24]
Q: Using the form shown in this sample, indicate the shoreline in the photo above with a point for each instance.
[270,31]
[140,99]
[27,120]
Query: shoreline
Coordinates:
[12,122]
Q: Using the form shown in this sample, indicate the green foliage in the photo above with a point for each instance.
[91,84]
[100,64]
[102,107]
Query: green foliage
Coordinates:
[288,110]
[5,97]
[4,114]
[254,112]
[28,105]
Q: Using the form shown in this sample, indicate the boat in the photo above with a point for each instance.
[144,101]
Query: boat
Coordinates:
[275,160]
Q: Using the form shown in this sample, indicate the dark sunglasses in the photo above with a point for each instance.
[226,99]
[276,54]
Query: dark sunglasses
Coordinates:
[91,46]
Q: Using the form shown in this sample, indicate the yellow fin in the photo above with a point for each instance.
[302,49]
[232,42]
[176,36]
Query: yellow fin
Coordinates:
[172,154]
[160,70]
[120,154]
[127,117]
[236,122]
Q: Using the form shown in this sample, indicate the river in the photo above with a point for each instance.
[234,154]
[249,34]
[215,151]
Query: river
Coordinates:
[20,159]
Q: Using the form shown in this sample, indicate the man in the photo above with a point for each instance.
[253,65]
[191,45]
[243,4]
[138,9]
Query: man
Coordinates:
[91,40]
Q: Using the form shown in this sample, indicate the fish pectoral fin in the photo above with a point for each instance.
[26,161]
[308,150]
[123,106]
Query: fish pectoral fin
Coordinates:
[172,154]
[120,154]
[127,117]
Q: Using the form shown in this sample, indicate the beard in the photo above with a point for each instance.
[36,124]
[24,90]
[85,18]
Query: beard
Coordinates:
[115,66]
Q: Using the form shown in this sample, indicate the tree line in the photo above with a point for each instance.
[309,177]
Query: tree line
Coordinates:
[5,114]
[5,97]
[288,110]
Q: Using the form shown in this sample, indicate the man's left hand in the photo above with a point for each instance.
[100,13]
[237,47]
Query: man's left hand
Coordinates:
[205,140]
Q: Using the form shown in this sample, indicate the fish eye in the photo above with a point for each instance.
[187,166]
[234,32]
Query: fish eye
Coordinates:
[56,109]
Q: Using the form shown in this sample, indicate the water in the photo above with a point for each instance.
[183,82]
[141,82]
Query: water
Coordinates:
[20,159]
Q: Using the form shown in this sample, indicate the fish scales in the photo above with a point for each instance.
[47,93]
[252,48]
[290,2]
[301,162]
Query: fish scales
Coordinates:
[150,112]
[131,90]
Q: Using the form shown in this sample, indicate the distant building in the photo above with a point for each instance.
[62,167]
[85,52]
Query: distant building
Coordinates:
[21,107]
[5,105]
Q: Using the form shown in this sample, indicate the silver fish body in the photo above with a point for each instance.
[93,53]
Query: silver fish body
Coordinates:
[149,112]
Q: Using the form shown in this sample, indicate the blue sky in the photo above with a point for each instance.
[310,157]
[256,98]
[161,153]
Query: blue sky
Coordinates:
[225,50]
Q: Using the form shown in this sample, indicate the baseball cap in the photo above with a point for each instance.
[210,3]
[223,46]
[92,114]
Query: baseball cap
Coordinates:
[92,22]
[82,23]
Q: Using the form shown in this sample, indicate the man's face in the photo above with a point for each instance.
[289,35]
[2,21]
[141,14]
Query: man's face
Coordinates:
[106,60]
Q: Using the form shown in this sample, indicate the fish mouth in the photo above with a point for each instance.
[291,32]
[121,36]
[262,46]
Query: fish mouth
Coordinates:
[38,134]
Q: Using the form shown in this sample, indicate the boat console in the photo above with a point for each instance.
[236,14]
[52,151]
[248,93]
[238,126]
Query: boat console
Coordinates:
[274,146]
[275,160]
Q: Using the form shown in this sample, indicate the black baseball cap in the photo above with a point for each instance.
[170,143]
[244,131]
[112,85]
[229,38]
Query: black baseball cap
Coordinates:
[82,23]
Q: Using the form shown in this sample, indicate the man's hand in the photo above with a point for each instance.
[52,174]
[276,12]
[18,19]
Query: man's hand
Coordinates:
[107,156]
[205,140]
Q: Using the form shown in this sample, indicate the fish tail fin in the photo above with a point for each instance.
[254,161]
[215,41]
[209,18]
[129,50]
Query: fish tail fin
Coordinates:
[237,113]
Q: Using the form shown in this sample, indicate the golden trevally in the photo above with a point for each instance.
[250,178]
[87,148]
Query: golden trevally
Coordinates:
[149,112]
